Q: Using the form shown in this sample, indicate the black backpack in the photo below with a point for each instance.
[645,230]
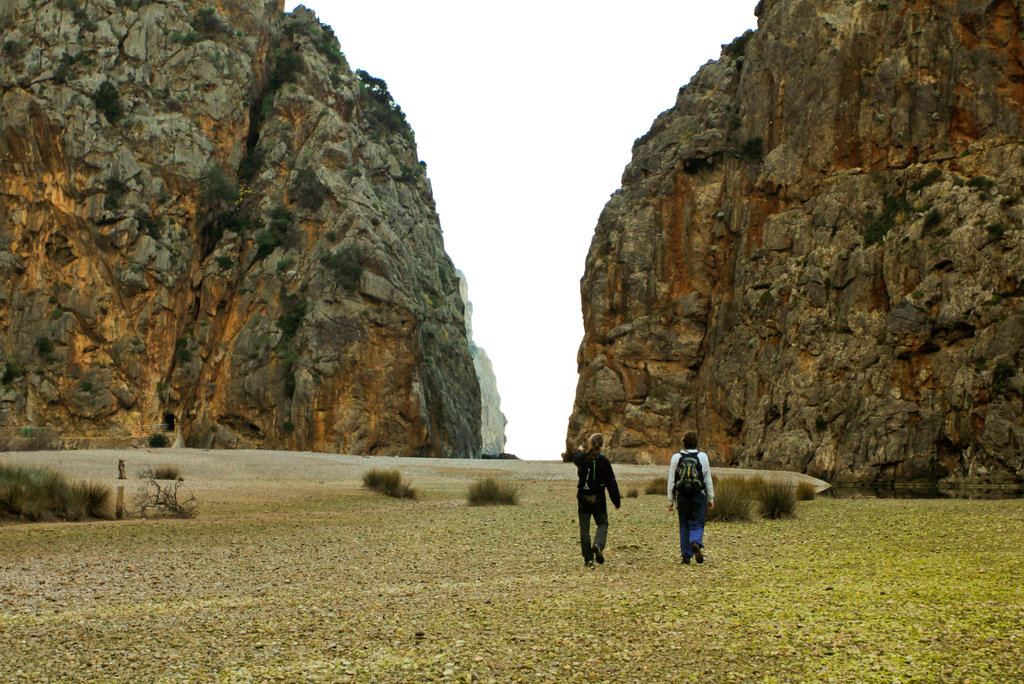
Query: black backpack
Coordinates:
[689,476]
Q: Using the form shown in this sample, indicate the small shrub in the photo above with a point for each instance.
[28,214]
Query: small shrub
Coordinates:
[158,440]
[114,191]
[389,483]
[981,183]
[294,311]
[44,346]
[148,225]
[167,471]
[250,165]
[930,178]
[933,218]
[491,492]
[182,354]
[286,68]
[805,491]
[307,191]
[658,485]
[753,148]
[284,265]
[733,499]
[345,265]
[108,101]
[326,43]
[379,108]
[996,229]
[778,500]
[217,190]
[739,44]
[1002,373]
[632,493]
[12,372]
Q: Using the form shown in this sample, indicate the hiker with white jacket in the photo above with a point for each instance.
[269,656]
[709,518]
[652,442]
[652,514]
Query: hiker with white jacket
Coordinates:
[692,492]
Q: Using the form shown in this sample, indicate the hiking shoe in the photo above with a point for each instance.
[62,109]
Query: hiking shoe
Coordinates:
[696,552]
[598,554]
[588,564]
[686,560]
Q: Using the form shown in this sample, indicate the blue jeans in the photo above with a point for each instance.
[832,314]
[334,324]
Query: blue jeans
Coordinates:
[691,523]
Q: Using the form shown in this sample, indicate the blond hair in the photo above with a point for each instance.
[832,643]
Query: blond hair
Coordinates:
[596,442]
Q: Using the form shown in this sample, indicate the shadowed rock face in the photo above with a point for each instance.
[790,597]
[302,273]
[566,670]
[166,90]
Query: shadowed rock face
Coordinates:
[816,257]
[205,214]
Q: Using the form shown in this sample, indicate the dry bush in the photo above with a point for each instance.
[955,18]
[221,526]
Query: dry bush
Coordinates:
[658,485]
[164,499]
[158,440]
[491,492]
[388,482]
[632,493]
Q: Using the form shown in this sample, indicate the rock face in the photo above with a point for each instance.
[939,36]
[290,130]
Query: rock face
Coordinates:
[816,258]
[492,420]
[207,218]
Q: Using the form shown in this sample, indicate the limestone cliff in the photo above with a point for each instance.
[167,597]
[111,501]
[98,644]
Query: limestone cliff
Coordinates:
[816,257]
[207,218]
[492,420]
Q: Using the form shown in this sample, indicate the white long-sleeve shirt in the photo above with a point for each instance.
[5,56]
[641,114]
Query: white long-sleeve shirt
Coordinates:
[705,468]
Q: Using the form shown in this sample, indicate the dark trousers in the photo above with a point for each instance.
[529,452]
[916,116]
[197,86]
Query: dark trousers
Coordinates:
[599,511]
[691,523]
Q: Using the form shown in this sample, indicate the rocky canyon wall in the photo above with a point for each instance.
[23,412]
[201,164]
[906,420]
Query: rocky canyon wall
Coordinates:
[207,218]
[816,257]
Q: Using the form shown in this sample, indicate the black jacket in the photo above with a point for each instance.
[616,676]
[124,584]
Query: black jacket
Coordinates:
[595,476]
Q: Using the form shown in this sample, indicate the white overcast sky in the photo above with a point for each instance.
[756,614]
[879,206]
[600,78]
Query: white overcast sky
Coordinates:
[525,114]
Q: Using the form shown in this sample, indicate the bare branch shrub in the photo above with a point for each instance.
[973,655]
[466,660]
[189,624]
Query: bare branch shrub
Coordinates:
[164,498]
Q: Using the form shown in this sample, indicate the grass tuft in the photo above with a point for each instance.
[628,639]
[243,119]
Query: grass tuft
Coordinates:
[658,485]
[491,492]
[388,482]
[35,493]
[778,500]
[95,498]
[734,497]
[167,471]
[805,492]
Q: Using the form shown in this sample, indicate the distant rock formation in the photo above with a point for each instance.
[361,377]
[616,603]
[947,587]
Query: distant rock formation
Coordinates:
[816,256]
[492,420]
[207,219]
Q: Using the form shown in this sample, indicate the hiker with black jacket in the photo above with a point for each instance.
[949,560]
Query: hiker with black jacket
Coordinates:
[691,490]
[595,476]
